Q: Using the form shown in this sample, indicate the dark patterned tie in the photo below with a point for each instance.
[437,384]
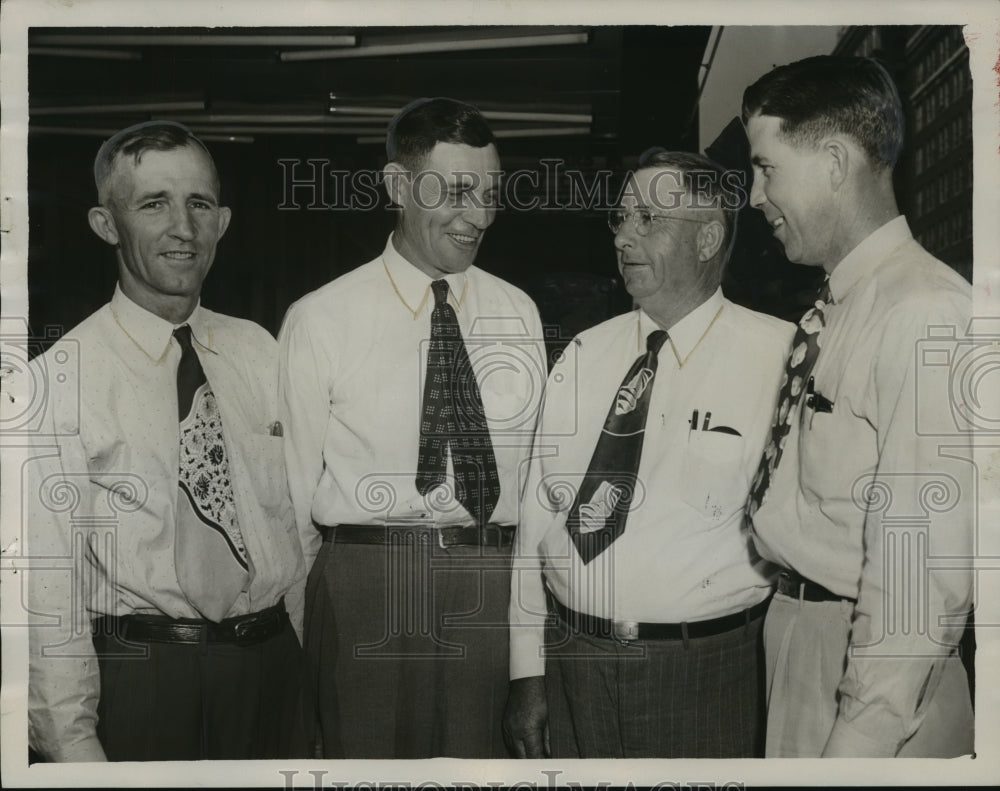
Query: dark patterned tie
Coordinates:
[210,557]
[597,516]
[801,359]
[454,418]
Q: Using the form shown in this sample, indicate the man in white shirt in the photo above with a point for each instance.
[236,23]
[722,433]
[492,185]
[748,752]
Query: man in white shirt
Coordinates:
[861,636]
[159,497]
[657,595]
[409,390]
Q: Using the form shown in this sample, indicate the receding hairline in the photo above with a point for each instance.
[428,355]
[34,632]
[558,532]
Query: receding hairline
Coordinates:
[683,164]
[114,169]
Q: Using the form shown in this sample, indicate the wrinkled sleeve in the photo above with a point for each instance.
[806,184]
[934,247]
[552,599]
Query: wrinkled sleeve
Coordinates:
[528,608]
[64,679]
[910,615]
[304,409]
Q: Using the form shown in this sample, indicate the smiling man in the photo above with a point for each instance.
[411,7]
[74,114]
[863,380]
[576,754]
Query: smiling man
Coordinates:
[170,639]
[410,389]
[861,637]
[632,528]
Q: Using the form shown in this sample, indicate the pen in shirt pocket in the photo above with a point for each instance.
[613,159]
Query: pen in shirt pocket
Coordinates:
[693,424]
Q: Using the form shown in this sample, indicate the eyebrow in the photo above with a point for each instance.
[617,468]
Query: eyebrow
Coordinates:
[164,194]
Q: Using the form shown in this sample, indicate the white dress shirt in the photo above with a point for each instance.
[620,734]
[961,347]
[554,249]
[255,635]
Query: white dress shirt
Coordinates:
[353,359]
[856,485]
[104,487]
[685,554]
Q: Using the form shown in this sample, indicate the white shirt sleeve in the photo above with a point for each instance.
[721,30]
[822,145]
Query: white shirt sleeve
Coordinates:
[304,408]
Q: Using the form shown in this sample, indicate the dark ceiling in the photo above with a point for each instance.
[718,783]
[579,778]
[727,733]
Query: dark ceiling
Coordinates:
[597,90]
[592,98]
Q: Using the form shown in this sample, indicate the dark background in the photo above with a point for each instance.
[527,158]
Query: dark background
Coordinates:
[638,83]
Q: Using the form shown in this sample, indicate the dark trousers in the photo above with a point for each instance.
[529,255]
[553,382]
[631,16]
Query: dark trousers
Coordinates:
[700,698]
[180,702]
[408,649]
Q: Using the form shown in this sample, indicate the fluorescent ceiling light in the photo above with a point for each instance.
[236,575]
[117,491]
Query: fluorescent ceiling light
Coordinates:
[420,47]
[237,40]
[490,115]
[118,109]
[71,52]
[561,131]
[84,131]
[289,130]
[275,118]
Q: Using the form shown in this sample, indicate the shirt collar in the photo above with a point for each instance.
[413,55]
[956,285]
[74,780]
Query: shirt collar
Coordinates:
[863,258]
[687,333]
[413,287]
[151,333]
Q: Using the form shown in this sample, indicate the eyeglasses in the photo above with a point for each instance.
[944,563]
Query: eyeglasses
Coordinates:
[642,219]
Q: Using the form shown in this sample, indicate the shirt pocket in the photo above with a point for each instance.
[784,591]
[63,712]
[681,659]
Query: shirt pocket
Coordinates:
[714,480]
[265,462]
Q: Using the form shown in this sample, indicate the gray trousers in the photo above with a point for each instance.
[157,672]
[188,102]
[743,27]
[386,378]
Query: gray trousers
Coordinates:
[408,649]
[700,698]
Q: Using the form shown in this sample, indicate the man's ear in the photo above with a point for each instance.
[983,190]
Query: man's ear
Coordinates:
[225,215]
[397,183]
[840,160]
[102,222]
[710,237]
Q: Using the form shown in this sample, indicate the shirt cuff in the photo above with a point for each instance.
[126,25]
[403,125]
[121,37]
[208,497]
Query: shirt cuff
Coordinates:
[526,657]
[846,741]
[88,749]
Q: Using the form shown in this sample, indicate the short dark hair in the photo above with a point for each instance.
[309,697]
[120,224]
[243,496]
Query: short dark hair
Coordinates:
[424,123]
[829,94]
[708,186]
[135,140]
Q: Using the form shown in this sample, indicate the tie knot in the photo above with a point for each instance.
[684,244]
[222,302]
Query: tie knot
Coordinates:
[656,340]
[183,336]
[440,288]
[825,296]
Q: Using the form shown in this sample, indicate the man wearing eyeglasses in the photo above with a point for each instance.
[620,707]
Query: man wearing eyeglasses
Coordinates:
[632,529]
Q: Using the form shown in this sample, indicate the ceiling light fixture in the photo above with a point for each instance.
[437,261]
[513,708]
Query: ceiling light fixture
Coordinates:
[189,40]
[423,47]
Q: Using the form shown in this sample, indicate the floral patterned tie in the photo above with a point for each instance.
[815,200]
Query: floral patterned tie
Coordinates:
[801,360]
[209,554]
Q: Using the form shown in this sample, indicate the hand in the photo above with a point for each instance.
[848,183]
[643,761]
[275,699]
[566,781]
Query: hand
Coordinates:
[526,719]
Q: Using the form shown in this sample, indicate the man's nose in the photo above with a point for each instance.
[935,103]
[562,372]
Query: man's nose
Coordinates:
[624,234]
[182,225]
[757,197]
[477,213]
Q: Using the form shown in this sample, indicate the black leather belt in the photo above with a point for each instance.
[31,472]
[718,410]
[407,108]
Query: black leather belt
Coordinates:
[240,630]
[627,631]
[793,584]
[490,535]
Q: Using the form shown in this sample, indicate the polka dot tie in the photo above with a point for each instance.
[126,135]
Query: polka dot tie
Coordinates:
[805,350]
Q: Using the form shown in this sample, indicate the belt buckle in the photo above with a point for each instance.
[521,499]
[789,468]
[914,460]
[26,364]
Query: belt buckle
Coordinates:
[625,631]
[249,631]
